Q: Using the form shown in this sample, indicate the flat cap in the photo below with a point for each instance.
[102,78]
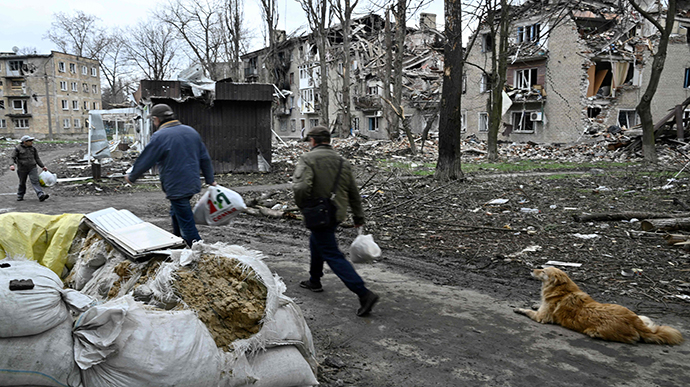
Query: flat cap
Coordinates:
[317,131]
[26,138]
[162,111]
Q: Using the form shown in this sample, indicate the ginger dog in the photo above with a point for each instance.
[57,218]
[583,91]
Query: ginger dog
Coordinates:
[563,303]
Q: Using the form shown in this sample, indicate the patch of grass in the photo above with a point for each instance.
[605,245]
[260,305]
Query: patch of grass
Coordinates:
[560,176]
[541,165]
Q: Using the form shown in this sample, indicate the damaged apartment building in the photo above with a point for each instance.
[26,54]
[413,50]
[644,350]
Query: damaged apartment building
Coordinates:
[575,69]
[297,78]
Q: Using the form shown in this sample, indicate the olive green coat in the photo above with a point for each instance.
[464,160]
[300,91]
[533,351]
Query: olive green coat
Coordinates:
[314,176]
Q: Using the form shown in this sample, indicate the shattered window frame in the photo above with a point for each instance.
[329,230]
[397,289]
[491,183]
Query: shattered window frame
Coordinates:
[522,121]
[525,83]
[72,68]
[16,85]
[355,123]
[483,122]
[21,123]
[627,114]
[61,67]
[528,33]
[94,89]
[487,42]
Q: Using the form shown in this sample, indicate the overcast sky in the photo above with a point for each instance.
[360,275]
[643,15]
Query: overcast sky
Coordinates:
[26,22]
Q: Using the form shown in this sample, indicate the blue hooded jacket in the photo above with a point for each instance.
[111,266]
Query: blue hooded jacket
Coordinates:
[180,154]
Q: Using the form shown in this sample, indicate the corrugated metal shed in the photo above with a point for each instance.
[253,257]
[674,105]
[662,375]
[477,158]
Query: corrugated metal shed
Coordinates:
[236,129]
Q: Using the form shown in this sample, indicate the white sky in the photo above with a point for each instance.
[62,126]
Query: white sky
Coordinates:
[29,21]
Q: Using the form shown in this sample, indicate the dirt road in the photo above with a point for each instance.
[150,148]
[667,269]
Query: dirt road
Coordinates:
[420,333]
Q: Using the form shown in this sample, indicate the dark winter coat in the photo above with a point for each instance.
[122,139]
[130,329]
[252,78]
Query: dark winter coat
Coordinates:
[314,177]
[180,154]
[26,158]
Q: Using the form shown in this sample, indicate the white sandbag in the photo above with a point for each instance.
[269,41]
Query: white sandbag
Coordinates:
[45,359]
[121,343]
[31,311]
[281,367]
[364,249]
[217,206]
[48,179]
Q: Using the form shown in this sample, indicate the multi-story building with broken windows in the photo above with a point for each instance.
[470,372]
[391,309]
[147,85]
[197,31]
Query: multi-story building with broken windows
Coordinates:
[574,68]
[47,95]
[297,77]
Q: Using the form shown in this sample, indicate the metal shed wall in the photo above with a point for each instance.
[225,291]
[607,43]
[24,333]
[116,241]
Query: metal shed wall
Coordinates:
[235,132]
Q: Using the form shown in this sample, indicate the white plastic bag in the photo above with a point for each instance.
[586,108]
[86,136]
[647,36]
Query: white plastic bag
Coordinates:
[47,178]
[363,248]
[218,206]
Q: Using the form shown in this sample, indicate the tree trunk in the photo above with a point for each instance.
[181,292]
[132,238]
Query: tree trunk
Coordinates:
[449,136]
[388,71]
[400,14]
[499,68]
[347,66]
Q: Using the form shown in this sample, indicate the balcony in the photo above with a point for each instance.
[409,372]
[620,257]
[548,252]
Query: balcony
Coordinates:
[368,102]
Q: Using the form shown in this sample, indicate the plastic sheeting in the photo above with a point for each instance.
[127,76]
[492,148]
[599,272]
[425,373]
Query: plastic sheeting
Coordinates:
[99,147]
[42,238]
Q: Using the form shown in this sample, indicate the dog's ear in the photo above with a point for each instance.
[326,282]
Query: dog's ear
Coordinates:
[557,275]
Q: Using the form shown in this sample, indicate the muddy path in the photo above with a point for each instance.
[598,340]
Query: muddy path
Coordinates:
[444,319]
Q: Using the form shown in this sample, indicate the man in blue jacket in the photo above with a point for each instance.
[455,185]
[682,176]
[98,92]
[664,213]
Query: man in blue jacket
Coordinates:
[180,154]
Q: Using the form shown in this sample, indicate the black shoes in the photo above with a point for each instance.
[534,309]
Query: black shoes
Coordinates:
[20,199]
[311,286]
[367,303]
[43,197]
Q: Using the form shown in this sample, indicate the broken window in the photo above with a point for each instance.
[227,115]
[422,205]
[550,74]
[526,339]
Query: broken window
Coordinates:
[604,77]
[627,118]
[94,89]
[373,90]
[483,122]
[283,125]
[487,43]
[686,84]
[374,123]
[21,123]
[61,67]
[72,68]
[292,78]
[313,122]
[525,78]
[528,33]
[16,65]
[355,123]
[95,106]
[593,112]
[86,105]
[85,87]
[293,125]
[524,121]
[17,85]
[463,121]
[2,104]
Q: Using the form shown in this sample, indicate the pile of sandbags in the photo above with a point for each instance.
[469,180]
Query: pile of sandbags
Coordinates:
[214,315]
[36,326]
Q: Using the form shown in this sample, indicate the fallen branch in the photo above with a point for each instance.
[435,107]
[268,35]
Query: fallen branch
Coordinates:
[666,224]
[457,225]
[625,216]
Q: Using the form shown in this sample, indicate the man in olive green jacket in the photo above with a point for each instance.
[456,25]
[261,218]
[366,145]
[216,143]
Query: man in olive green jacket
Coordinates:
[314,177]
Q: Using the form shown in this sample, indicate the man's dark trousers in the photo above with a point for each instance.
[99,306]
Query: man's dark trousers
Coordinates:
[324,248]
[183,220]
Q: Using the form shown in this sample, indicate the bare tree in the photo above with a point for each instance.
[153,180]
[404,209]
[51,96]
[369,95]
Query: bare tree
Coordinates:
[114,66]
[448,166]
[78,35]
[318,15]
[151,48]
[232,20]
[269,10]
[498,19]
[644,107]
[199,24]
[343,10]
[27,51]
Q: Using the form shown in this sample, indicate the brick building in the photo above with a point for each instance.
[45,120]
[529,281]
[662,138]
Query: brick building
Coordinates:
[573,69]
[297,76]
[47,96]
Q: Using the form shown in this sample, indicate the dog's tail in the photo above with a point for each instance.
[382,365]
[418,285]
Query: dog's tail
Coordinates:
[659,334]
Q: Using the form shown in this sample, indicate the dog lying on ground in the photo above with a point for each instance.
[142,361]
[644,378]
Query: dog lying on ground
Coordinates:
[563,303]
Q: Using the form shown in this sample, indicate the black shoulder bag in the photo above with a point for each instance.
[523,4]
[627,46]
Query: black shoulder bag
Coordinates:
[320,213]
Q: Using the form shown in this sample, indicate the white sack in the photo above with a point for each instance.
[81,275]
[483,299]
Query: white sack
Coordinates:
[281,367]
[46,359]
[121,343]
[217,206]
[364,249]
[47,178]
[32,311]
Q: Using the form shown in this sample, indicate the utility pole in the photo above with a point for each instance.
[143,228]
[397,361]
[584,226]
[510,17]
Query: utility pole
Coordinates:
[45,77]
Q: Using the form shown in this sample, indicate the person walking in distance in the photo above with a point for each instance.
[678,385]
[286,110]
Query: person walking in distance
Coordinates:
[180,154]
[25,157]
[316,174]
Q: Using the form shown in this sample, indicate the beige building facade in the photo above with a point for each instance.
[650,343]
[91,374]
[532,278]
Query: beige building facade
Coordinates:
[580,74]
[47,96]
